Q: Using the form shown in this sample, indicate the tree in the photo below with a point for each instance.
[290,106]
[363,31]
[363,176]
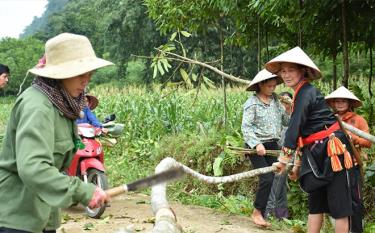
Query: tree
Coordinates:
[20,55]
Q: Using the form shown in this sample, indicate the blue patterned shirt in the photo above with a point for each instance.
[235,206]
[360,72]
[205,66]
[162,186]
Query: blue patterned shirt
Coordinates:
[262,122]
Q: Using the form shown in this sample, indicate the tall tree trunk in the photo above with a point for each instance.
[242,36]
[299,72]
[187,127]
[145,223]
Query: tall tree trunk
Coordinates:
[300,25]
[259,47]
[370,78]
[223,79]
[371,112]
[267,51]
[345,81]
[334,71]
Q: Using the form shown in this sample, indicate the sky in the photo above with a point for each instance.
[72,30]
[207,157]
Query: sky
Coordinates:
[15,15]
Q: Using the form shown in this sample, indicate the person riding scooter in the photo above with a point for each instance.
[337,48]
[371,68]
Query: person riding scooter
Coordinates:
[87,116]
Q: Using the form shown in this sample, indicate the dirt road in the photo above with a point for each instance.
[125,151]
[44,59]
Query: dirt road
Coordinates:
[136,209]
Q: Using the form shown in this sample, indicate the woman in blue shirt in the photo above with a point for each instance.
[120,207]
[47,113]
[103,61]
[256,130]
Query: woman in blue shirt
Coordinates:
[87,116]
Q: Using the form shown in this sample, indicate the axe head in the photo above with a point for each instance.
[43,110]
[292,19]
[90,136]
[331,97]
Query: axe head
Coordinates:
[162,177]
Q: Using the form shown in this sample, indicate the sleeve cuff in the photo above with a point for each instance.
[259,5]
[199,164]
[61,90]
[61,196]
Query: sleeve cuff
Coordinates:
[85,193]
[253,144]
[297,160]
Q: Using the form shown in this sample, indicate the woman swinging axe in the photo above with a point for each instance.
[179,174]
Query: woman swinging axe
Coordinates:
[41,139]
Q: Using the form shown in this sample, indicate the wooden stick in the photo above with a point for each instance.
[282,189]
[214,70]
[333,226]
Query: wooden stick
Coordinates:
[240,150]
[359,132]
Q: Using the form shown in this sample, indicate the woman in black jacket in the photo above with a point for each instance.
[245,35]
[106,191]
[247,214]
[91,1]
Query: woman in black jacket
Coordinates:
[322,157]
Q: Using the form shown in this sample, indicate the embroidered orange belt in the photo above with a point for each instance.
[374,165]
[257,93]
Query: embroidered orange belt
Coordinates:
[320,135]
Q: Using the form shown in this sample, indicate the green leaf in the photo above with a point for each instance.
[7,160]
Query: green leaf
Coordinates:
[165,64]
[169,47]
[160,67]
[185,77]
[155,72]
[173,36]
[194,77]
[185,34]
[218,165]
[208,82]
[106,219]
[88,226]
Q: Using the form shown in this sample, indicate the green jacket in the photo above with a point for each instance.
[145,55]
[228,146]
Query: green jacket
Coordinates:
[38,146]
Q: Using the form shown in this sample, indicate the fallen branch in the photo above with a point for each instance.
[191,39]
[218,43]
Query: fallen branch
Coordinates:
[214,69]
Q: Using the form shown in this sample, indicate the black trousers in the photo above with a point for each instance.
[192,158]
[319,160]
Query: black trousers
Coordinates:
[265,180]
[8,230]
[357,204]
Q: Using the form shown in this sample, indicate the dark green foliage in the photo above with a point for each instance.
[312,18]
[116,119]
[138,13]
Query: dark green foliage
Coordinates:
[104,75]
[20,55]
[367,110]
[297,201]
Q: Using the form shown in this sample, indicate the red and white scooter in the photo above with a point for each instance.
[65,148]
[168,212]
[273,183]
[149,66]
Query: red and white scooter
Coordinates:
[88,163]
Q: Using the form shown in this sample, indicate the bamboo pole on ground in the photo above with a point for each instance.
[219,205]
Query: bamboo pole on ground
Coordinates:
[244,151]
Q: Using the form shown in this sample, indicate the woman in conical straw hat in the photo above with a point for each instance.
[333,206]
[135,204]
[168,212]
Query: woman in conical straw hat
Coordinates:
[321,150]
[343,102]
[263,118]
[41,140]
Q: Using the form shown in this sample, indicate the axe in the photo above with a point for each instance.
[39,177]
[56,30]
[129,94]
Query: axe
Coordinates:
[162,177]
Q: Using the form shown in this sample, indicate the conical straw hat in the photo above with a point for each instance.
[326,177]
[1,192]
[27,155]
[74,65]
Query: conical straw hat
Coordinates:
[68,55]
[343,93]
[261,76]
[297,56]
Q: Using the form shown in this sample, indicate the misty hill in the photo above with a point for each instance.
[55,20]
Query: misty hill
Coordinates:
[40,23]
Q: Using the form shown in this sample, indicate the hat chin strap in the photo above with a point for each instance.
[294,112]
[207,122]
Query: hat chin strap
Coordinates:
[343,112]
[300,80]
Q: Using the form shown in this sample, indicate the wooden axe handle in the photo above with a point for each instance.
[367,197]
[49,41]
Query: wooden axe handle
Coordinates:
[116,190]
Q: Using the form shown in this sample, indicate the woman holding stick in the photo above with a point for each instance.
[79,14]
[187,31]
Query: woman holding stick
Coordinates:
[325,162]
[262,121]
